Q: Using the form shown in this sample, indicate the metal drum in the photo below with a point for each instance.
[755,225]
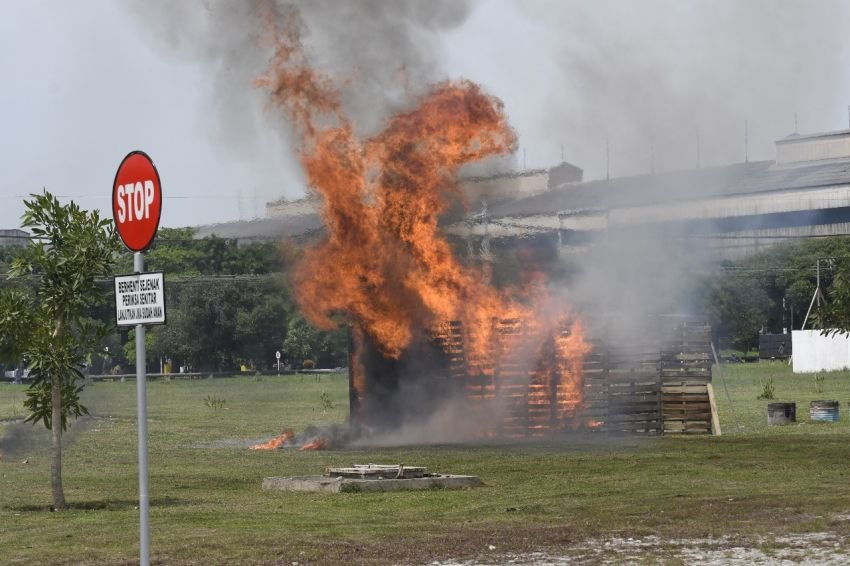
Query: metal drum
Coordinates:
[824,411]
[781,413]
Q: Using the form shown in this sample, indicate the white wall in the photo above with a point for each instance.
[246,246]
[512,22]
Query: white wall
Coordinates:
[813,148]
[813,352]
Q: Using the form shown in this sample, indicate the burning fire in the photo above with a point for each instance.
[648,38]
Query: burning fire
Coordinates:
[320,443]
[275,442]
[384,262]
[288,437]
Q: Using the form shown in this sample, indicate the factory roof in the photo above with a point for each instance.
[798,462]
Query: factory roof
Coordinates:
[639,190]
[13,237]
[709,182]
[795,136]
[300,226]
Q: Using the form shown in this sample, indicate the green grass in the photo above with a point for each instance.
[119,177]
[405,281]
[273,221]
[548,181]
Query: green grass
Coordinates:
[208,508]
[744,384]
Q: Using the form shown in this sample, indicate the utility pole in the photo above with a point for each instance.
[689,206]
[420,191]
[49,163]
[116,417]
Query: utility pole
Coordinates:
[817,286]
[652,153]
[698,155]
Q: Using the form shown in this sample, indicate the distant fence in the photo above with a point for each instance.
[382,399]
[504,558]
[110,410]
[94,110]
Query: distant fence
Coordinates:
[195,375]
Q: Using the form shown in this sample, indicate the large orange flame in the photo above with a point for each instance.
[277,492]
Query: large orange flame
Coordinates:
[384,262]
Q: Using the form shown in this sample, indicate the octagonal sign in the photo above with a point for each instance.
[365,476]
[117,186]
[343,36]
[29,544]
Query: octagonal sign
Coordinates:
[137,201]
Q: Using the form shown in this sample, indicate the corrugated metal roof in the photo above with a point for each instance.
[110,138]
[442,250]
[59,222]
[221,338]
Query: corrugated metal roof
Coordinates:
[736,179]
[264,228]
[795,136]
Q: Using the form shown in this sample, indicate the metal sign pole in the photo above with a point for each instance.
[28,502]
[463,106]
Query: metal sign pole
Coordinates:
[142,409]
[136,210]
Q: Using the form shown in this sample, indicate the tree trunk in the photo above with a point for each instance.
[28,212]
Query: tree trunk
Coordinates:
[56,443]
[56,432]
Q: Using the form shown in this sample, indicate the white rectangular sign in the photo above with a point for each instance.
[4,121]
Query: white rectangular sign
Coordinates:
[140,299]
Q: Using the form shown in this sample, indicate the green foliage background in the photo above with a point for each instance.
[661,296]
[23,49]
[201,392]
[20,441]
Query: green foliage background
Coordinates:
[773,290]
[229,305]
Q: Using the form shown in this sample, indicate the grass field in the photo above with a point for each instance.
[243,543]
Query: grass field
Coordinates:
[755,486]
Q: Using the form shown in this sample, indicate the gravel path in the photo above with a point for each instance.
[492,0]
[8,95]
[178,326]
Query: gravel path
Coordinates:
[811,548]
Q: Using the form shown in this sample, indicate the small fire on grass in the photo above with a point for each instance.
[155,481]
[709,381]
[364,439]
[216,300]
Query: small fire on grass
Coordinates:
[320,443]
[313,438]
[275,442]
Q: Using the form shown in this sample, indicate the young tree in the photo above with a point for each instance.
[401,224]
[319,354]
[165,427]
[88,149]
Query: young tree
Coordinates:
[70,249]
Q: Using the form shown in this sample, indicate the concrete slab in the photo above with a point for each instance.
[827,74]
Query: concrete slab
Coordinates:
[354,485]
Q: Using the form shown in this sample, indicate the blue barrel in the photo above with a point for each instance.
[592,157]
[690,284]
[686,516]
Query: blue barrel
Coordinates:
[824,411]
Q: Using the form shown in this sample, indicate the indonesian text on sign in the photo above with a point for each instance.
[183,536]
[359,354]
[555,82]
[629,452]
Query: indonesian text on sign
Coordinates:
[139,299]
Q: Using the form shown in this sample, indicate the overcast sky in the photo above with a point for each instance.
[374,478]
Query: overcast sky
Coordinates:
[85,82]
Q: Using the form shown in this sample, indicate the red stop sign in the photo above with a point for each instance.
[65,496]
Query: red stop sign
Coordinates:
[136,201]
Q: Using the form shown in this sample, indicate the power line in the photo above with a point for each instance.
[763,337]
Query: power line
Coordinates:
[180,279]
[165,197]
[164,240]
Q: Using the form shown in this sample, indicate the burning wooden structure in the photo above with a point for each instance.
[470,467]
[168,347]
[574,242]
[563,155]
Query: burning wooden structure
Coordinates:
[547,384]
[515,364]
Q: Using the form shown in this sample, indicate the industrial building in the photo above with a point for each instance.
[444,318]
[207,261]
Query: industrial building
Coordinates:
[733,210]
[13,237]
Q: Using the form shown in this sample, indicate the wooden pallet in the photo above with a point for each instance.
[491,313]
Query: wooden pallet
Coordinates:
[657,386]
[653,387]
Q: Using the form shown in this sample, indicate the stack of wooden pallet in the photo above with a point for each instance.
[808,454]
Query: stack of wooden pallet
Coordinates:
[654,382]
[659,382]
[623,390]
[686,381]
